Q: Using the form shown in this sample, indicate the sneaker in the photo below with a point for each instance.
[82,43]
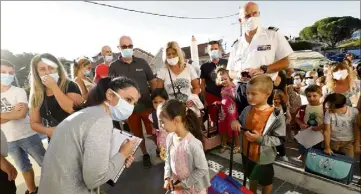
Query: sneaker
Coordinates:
[284,158]
[146,161]
[35,192]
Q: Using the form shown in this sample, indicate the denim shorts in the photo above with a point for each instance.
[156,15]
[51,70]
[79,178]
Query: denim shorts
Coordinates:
[20,149]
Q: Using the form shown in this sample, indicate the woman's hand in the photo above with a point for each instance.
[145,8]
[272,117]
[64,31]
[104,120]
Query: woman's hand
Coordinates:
[168,185]
[127,147]
[129,161]
[49,82]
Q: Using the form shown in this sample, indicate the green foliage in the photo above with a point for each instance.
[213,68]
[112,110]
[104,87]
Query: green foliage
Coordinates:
[331,30]
[301,45]
[353,43]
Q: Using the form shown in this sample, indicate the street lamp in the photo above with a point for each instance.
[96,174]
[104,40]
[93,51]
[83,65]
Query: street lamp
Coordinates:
[16,78]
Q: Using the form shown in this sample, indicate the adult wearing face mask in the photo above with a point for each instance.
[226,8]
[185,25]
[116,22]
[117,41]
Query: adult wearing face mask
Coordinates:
[101,70]
[310,79]
[258,51]
[85,163]
[210,90]
[138,70]
[52,94]
[80,71]
[343,80]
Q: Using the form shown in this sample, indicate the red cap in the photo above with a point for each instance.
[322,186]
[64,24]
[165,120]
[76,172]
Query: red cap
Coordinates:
[101,71]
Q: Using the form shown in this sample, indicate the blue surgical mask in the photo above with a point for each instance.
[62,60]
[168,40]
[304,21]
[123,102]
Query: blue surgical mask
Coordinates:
[127,53]
[6,79]
[87,73]
[214,54]
[122,110]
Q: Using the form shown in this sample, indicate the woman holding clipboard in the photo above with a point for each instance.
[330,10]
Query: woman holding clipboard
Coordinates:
[78,159]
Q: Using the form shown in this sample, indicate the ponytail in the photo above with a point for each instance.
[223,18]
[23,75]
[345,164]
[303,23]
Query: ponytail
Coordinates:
[193,124]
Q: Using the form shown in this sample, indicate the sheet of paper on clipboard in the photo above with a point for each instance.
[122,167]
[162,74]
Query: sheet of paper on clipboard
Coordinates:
[118,138]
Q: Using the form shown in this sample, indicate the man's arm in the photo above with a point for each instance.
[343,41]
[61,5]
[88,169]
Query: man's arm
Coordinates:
[279,65]
[19,112]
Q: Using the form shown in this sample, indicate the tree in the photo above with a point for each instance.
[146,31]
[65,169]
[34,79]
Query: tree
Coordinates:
[331,30]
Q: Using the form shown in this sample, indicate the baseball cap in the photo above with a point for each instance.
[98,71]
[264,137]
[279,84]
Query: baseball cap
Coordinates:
[101,71]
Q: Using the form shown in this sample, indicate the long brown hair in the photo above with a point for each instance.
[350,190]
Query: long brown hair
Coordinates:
[77,65]
[173,108]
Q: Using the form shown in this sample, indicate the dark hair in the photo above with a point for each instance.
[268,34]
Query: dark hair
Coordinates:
[214,42]
[159,92]
[7,63]
[173,108]
[358,70]
[97,94]
[313,88]
[335,101]
[298,74]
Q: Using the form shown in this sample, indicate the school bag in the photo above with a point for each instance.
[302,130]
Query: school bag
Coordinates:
[336,167]
[221,183]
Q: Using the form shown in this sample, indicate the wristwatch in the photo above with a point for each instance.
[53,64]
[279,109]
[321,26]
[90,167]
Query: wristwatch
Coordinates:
[264,68]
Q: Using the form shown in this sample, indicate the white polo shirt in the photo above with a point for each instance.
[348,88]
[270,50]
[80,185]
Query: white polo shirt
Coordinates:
[266,47]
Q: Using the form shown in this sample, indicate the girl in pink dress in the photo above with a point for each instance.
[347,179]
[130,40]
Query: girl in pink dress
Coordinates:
[186,166]
[228,111]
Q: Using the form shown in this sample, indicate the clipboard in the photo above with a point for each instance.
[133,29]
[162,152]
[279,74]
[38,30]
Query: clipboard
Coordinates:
[118,137]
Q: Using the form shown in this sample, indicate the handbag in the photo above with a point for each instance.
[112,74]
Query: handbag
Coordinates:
[171,81]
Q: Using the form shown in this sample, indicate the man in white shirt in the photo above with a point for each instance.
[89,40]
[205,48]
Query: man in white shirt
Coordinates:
[22,140]
[257,51]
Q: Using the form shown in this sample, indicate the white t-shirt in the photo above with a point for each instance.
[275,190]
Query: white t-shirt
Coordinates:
[313,115]
[342,124]
[266,47]
[15,129]
[182,82]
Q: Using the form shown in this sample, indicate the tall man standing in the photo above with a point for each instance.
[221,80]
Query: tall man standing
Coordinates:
[258,51]
[211,92]
[139,70]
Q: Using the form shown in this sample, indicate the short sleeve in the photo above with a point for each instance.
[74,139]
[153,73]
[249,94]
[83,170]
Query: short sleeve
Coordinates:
[327,119]
[21,96]
[193,73]
[73,88]
[230,64]
[148,71]
[162,73]
[283,48]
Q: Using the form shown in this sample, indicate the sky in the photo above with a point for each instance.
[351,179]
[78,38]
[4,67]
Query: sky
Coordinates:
[72,29]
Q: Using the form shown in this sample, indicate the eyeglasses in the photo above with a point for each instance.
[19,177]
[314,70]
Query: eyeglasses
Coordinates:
[125,46]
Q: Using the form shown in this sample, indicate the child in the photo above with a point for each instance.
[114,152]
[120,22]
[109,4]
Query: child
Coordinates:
[310,115]
[228,112]
[158,96]
[279,102]
[295,102]
[342,132]
[321,81]
[186,161]
[263,138]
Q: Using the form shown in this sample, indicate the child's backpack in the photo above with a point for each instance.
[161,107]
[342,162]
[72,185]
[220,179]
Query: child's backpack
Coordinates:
[336,167]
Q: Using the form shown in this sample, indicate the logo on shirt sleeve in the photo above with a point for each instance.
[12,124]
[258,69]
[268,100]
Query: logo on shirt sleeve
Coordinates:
[264,47]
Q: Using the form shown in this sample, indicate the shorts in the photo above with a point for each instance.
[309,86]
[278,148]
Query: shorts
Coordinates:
[7,187]
[302,150]
[343,147]
[20,149]
[263,174]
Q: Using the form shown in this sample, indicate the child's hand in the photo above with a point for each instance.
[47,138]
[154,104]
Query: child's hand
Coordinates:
[304,126]
[252,136]
[236,125]
[189,103]
[216,103]
[168,185]
[328,151]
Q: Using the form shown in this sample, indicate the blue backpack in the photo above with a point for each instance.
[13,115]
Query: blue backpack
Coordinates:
[336,167]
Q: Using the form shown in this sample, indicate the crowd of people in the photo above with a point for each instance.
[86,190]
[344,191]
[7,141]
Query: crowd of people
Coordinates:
[255,89]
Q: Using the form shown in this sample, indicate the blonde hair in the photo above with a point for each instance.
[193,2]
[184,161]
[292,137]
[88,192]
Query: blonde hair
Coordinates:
[263,82]
[174,45]
[221,71]
[37,88]
[330,83]
[78,64]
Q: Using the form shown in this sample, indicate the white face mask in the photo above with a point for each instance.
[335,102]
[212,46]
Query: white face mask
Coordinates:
[55,76]
[250,24]
[173,61]
[310,82]
[340,75]
[296,81]
[108,58]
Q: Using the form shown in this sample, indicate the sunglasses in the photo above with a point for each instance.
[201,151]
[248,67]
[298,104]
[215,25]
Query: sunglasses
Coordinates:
[125,46]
